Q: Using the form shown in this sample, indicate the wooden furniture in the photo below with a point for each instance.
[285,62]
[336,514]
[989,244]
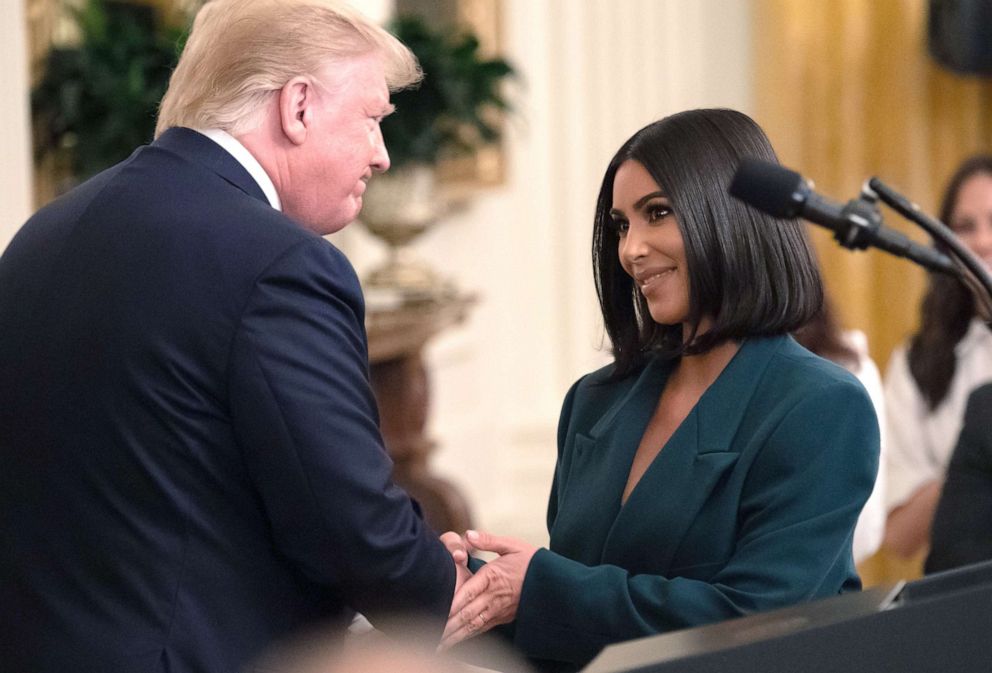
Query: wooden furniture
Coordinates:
[400,380]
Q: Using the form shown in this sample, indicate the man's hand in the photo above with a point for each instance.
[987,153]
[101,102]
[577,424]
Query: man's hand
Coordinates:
[492,595]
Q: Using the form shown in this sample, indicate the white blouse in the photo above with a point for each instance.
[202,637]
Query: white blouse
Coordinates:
[870,530]
[921,441]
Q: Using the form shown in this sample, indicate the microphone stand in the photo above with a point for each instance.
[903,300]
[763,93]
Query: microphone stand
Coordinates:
[970,269]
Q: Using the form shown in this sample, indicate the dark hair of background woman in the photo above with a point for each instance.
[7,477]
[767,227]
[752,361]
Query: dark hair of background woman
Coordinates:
[947,308]
[753,275]
[823,336]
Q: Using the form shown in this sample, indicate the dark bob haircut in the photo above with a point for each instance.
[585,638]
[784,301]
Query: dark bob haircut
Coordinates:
[751,274]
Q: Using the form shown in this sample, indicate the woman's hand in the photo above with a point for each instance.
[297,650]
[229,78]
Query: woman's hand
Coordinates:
[491,596]
[456,546]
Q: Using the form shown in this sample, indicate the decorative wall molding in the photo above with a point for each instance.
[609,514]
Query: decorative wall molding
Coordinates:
[15,149]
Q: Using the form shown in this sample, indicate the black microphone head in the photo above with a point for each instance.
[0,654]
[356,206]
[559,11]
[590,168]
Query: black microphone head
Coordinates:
[770,188]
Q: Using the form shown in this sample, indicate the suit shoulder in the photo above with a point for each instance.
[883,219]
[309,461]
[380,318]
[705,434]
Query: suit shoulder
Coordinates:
[981,399]
[597,377]
[797,367]
[598,390]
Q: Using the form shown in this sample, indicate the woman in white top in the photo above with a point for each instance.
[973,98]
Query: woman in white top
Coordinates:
[928,379]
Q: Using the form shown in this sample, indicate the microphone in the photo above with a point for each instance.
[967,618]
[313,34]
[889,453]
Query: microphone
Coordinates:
[784,194]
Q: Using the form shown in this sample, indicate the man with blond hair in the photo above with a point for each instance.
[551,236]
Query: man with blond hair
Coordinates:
[192,466]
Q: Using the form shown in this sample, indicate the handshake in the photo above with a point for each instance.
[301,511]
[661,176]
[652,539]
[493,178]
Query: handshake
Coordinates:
[490,596]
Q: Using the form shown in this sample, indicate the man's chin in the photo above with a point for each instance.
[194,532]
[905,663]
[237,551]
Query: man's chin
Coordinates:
[342,218]
[336,227]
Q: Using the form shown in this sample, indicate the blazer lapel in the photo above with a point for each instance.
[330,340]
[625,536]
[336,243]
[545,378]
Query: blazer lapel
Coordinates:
[200,149]
[682,477]
[597,462]
[618,432]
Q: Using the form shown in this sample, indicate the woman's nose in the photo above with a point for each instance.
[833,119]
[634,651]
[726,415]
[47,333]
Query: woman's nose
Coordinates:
[981,239]
[633,246]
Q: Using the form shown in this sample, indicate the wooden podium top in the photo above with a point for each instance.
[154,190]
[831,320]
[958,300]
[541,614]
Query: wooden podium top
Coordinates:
[403,330]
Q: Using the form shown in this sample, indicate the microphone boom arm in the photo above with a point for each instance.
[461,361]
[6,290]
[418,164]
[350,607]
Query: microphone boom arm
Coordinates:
[971,270]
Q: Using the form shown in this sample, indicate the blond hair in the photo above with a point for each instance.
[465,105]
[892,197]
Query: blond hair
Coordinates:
[240,52]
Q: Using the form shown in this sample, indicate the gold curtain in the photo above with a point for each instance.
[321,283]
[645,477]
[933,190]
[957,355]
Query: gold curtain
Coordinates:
[846,90]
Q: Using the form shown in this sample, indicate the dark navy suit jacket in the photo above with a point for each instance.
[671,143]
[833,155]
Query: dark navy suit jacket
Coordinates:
[190,461]
[962,524]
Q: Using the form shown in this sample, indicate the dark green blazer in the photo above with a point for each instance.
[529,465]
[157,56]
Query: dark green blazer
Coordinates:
[751,504]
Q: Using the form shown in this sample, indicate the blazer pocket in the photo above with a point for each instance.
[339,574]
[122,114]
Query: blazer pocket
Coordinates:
[702,514]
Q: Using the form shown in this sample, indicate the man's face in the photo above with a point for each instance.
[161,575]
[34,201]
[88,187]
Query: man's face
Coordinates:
[344,146]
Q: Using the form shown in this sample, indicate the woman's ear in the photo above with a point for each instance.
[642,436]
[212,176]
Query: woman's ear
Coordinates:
[296,101]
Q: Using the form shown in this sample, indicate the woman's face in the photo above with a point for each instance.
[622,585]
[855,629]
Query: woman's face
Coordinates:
[971,219]
[650,247]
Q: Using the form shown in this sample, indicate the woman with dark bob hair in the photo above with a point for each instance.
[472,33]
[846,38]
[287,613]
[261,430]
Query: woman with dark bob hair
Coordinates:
[928,380]
[716,468]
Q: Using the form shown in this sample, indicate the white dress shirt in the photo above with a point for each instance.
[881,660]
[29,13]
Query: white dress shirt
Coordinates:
[245,158]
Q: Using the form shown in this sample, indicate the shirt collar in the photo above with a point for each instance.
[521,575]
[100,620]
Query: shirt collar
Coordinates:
[250,163]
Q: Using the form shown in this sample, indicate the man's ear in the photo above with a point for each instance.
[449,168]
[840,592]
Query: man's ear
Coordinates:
[296,101]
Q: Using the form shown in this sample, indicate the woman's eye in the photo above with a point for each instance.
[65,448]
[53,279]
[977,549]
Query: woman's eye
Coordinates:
[658,212]
[621,226]
[962,227]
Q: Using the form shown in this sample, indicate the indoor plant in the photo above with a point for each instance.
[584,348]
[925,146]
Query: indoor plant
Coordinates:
[97,98]
[455,110]
[452,110]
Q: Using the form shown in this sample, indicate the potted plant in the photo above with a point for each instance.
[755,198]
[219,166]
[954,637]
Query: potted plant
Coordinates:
[97,99]
[455,110]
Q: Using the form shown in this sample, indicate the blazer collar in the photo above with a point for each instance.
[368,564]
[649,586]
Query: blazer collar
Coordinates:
[198,148]
[718,412]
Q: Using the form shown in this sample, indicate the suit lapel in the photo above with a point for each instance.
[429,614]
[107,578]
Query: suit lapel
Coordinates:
[683,475]
[200,149]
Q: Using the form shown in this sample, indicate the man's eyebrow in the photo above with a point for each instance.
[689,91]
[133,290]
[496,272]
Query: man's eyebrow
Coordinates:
[388,109]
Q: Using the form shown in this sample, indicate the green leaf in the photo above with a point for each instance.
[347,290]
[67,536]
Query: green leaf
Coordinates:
[97,100]
[447,113]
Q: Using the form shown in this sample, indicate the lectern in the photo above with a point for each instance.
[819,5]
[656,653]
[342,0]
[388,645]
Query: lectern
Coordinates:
[939,623]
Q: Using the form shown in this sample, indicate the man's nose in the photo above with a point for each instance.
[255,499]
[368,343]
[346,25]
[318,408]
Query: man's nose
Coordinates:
[380,158]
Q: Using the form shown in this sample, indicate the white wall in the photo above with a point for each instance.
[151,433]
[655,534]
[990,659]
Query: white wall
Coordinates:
[593,72]
[15,157]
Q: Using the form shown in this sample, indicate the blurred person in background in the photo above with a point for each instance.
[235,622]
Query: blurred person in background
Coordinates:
[928,380]
[962,525]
